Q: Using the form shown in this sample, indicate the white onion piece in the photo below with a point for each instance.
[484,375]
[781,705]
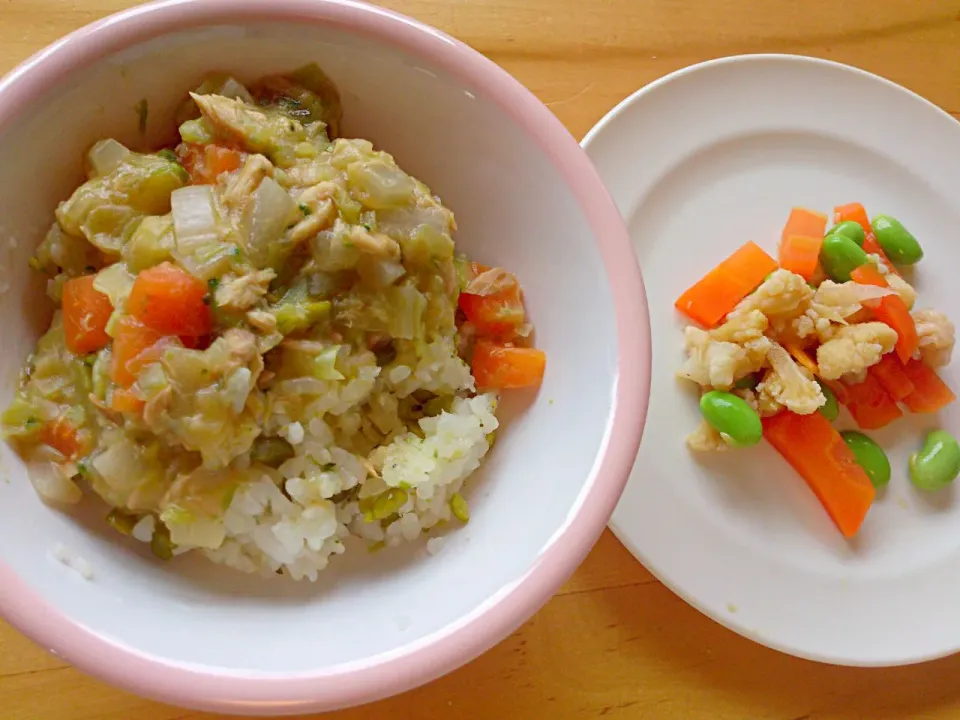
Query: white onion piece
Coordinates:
[267,218]
[106,155]
[194,217]
[51,484]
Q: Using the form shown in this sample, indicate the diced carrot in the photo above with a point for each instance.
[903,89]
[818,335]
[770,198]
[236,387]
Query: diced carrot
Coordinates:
[62,436]
[719,291]
[125,400]
[804,223]
[86,311]
[818,453]
[498,313]
[497,367]
[205,163]
[930,392]
[171,301]
[132,338]
[870,405]
[891,376]
[857,213]
[890,310]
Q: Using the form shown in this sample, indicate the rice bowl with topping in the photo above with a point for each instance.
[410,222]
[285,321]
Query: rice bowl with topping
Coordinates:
[265,341]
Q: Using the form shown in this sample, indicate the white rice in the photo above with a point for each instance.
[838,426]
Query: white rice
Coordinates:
[295,530]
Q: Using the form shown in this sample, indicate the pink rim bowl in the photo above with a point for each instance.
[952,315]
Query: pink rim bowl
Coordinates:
[49,604]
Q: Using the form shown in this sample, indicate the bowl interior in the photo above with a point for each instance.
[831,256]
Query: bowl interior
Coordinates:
[513,209]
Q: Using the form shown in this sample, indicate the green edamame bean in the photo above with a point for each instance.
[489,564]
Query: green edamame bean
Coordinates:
[897,242]
[850,229]
[831,408]
[869,456]
[738,423]
[840,256]
[937,464]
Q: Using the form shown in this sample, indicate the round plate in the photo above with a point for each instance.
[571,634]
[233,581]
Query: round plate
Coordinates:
[698,163]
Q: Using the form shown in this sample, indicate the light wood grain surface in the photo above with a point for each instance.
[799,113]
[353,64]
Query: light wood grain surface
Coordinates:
[614,643]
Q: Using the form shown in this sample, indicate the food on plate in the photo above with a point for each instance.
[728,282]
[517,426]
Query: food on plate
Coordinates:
[265,340]
[937,464]
[869,455]
[780,345]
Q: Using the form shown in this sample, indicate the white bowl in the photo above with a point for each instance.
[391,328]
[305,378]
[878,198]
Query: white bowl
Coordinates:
[525,197]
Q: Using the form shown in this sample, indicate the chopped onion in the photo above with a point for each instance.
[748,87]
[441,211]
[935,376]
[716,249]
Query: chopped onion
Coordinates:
[52,484]
[326,364]
[238,387]
[194,217]
[408,306]
[491,281]
[380,185]
[105,156]
[266,219]
[235,91]
[115,282]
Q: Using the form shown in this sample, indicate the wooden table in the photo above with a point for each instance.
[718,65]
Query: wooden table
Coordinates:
[613,643]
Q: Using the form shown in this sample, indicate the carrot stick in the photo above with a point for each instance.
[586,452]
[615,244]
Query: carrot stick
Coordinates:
[889,373]
[870,405]
[804,223]
[800,254]
[818,453]
[890,310]
[86,311]
[719,291]
[930,393]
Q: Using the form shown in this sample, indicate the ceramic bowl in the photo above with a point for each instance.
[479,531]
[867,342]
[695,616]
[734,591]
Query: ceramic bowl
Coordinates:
[525,196]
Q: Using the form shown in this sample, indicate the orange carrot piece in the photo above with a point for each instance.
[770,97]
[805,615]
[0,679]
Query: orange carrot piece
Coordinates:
[86,311]
[931,393]
[804,223]
[205,163]
[499,367]
[800,254]
[854,212]
[719,291]
[125,400]
[497,310]
[62,436]
[132,339]
[818,453]
[870,405]
[891,376]
[890,310]
[171,301]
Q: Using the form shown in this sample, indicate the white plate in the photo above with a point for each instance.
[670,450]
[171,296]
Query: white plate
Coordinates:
[698,163]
